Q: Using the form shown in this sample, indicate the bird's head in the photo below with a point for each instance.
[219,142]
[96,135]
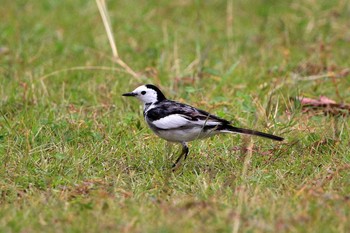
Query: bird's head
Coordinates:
[147,94]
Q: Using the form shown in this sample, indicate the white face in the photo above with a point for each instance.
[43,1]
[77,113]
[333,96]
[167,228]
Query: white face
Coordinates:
[145,95]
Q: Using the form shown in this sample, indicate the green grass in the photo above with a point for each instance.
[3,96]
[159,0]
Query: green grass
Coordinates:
[75,156]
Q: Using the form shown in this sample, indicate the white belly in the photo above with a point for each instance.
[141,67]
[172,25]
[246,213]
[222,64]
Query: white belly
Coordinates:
[183,135]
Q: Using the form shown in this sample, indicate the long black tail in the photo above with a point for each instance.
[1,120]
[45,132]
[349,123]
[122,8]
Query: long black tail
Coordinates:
[232,129]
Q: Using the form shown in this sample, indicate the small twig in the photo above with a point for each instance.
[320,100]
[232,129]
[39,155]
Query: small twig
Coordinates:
[101,4]
[342,74]
[311,77]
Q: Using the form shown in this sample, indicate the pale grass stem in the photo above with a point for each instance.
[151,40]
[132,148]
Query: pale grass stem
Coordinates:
[229,19]
[176,59]
[56,72]
[101,4]
[242,191]
[229,29]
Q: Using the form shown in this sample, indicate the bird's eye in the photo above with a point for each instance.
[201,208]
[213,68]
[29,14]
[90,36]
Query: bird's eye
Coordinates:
[143,92]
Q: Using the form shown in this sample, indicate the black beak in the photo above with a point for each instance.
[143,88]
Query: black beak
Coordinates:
[129,94]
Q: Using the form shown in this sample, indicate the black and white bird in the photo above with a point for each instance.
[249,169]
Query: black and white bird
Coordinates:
[182,123]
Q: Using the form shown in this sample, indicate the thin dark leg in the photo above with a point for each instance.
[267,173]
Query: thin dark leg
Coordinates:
[184,151]
[177,160]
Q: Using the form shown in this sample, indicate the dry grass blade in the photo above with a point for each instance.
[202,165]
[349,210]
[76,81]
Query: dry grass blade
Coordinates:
[101,4]
[229,19]
[80,68]
[242,191]
[329,75]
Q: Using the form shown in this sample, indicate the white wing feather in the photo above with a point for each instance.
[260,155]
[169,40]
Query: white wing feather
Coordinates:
[171,122]
[179,120]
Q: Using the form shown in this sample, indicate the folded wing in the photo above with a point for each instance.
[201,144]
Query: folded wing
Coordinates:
[170,115]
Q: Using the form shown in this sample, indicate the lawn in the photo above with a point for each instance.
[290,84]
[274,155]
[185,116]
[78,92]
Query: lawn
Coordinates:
[76,156]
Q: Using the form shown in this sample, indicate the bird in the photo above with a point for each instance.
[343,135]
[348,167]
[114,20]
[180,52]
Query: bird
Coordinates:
[181,123]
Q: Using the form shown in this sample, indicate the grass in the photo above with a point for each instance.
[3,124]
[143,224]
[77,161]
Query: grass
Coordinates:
[77,157]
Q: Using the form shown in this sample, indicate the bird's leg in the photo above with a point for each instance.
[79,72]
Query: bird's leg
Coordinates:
[184,151]
[177,160]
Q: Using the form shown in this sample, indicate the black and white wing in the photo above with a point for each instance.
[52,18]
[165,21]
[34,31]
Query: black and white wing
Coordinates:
[170,115]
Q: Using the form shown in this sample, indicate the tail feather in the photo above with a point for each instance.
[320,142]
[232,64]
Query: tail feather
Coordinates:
[232,129]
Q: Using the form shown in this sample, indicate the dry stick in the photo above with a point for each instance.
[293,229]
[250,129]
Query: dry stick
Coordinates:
[242,191]
[341,74]
[101,4]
